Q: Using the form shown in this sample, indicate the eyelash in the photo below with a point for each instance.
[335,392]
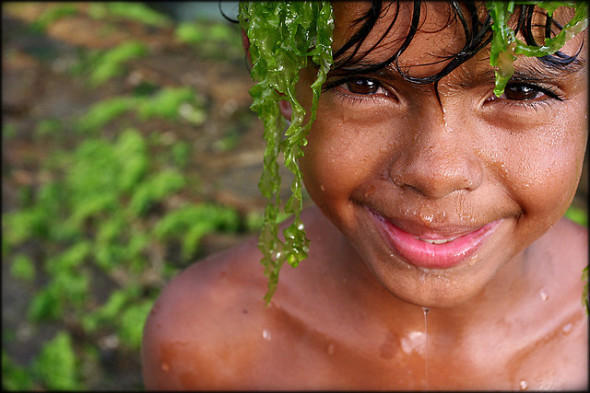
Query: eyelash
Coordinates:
[356,98]
[535,103]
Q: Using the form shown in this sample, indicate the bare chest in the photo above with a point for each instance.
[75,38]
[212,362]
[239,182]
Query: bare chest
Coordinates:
[308,359]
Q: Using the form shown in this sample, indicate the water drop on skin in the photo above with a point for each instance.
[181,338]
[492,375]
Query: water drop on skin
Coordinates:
[567,328]
[413,342]
[331,349]
[543,295]
[266,334]
[523,385]
[425,311]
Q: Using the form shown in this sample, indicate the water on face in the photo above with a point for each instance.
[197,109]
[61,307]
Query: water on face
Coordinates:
[425,311]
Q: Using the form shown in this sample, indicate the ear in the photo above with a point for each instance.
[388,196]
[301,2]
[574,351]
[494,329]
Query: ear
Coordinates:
[285,107]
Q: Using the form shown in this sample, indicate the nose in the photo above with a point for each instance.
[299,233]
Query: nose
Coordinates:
[436,160]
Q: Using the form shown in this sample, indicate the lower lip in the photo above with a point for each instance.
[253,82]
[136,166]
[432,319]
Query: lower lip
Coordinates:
[435,256]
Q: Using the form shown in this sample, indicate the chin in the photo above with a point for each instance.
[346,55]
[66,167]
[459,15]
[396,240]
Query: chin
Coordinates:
[430,288]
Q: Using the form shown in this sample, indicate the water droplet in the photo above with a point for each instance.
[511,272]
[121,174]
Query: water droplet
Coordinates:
[543,295]
[331,349]
[322,187]
[425,311]
[567,328]
[523,385]
[413,342]
[370,191]
[165,367]
[266,334]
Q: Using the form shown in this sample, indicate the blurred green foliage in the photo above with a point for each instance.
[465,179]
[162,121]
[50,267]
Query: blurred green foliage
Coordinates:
[208,37]
[14,377]
[22,268]
[111,62]
[169,103]
[52,15]
[56,364]
[577,215]
[131,11]
[114,216]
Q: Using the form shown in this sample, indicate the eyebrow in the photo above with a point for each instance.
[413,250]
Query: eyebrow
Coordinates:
[539,70]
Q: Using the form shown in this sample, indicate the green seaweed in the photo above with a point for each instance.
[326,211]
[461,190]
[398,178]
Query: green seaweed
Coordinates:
[505,46]
[282,37]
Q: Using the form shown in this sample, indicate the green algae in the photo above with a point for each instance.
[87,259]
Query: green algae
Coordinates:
[505,46]
[283,37]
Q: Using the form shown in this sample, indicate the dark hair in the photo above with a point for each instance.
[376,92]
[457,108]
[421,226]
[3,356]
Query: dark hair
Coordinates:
[478,34]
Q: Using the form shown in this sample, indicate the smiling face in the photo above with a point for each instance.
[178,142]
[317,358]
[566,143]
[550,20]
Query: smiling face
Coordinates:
[440,187]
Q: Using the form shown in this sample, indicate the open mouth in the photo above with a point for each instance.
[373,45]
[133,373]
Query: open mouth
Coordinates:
[431,249]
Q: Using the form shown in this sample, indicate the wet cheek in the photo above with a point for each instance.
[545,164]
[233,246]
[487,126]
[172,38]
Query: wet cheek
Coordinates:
[328,170]
[546,179]
[336,162]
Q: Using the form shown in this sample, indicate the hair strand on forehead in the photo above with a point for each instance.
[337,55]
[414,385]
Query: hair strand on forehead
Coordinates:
[477,33]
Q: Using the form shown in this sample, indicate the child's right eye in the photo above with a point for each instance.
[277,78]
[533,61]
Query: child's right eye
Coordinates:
[362,86]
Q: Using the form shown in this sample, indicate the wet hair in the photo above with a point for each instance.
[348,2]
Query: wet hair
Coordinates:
[478,34]
[477,30]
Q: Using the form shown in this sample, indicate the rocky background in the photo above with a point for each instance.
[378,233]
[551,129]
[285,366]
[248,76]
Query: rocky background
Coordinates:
[128,152]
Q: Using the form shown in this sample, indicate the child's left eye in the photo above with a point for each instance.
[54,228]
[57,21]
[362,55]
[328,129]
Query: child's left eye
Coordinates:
[525,93]
[521,91]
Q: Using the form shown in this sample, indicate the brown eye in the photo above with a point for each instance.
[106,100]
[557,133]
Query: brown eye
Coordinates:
[362,86]
[520,92]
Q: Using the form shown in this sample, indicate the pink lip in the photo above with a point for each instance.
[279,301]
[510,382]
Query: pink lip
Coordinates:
[434,256]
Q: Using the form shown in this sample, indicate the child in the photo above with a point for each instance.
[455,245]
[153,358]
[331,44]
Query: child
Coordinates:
[439,258]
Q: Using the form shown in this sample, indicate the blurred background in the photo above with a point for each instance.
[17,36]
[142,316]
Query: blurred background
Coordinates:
[128,152]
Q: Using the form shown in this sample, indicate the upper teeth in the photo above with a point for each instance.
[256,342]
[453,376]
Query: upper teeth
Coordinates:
[439,241]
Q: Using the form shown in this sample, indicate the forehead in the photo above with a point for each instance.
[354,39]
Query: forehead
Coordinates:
[439,36]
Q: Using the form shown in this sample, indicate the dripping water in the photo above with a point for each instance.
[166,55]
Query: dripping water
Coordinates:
[425,311]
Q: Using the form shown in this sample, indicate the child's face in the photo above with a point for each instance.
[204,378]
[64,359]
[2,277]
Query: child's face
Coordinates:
[389,161]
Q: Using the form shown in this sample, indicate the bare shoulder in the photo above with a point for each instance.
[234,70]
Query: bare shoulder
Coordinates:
[211,329]
[190,335]
[561,343]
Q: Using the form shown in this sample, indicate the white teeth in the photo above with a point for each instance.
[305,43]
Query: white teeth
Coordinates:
[440,241]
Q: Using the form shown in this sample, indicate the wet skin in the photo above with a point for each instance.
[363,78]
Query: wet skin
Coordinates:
[434,163]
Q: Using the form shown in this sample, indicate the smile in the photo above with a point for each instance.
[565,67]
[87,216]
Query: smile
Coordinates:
[431,249]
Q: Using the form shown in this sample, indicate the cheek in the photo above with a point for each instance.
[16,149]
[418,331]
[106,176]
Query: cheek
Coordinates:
[342,155]
[546,168]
